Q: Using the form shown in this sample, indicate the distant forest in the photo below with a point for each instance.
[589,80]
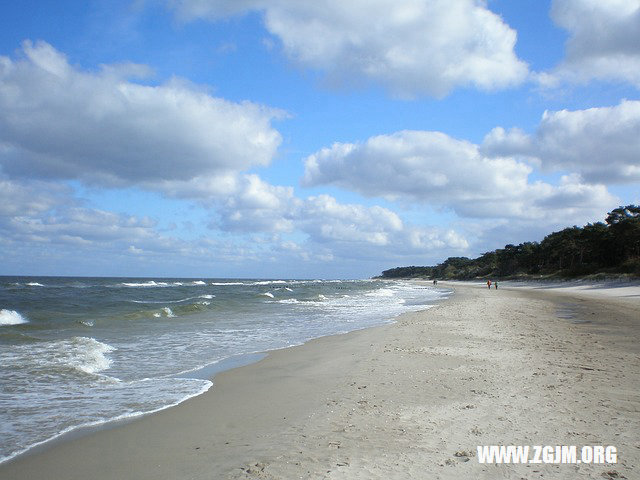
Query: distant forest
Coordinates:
[612,247]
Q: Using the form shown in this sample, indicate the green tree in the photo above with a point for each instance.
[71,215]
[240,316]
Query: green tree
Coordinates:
[624,223]
[614,246]
[595,243]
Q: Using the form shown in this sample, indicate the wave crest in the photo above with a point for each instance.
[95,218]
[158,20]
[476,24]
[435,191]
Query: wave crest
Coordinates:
[87,354]
[11,317]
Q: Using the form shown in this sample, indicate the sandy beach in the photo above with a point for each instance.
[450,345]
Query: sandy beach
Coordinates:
[520,365]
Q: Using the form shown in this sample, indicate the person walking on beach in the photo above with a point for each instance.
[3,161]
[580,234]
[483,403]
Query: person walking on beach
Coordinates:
[496,284]
[489,284]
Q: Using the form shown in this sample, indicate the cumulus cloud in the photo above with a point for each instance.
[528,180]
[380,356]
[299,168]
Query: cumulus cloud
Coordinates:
[60,123]
[429,239]
[45,215]
[44,228]
[79,226]
[30,198]
[57,121]
[42,221]
[327,220]
[501,142]
[350,231]
[256,206]
[603,42]
[419,165]
[412,47]
[601,144]
[252,205]
[433,168]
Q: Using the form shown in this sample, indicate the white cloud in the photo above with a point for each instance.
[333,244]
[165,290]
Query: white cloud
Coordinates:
[327,220]
[256,206]
[46,230]
[30,198]
[60,123]
[604,41]
[433,168]
[501,142]
[412,47]
[84,227]
[601,144]
[331,228]
[42,223]
[433,239]
[57,121]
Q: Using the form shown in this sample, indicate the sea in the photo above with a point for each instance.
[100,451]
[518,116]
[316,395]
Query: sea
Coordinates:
[81,352]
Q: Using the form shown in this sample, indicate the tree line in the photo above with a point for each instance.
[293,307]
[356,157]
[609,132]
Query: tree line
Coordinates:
[609,247]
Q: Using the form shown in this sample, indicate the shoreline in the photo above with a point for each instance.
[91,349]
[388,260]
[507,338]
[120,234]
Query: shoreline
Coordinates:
[207,372]
[387,401]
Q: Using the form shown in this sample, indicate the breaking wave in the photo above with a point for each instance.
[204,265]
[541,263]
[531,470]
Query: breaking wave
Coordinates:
[11,317]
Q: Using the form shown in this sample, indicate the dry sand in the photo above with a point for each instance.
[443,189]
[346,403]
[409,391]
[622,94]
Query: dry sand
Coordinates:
[513,366]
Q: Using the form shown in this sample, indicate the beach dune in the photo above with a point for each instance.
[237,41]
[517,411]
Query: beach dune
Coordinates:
[414,399]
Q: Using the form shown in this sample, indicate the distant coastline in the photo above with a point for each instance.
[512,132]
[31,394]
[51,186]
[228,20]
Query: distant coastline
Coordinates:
[597,251]
[552,278]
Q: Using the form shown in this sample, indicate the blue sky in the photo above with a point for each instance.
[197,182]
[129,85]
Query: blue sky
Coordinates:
[255,138]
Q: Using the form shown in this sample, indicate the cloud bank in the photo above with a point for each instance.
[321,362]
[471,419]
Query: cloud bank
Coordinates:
[60,123]
[436,169]
[601,144]
[411,47]
[604,36]
[57,121]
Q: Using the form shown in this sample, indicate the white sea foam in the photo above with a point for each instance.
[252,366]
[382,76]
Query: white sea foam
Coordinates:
[381,292]
[166,311]
[157,301]
[224,284]
[88,354]
[11,317]
[267,294]
[202,387]
[84,354]
[284,288]
[35,284]
[208,297]
[150,283]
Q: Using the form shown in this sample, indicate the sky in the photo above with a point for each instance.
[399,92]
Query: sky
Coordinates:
[324,139]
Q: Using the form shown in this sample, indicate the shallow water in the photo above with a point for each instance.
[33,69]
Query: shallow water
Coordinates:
[85,351]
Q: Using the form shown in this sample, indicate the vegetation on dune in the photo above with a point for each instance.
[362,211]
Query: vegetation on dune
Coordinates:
[612,247]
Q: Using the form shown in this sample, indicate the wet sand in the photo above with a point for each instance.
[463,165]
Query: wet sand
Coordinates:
[520,365]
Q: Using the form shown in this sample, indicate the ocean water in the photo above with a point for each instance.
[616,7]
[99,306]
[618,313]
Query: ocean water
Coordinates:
[85,351]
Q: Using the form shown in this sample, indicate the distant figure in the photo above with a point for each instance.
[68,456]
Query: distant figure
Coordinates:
[435,282]
[496,284]
[489,284]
